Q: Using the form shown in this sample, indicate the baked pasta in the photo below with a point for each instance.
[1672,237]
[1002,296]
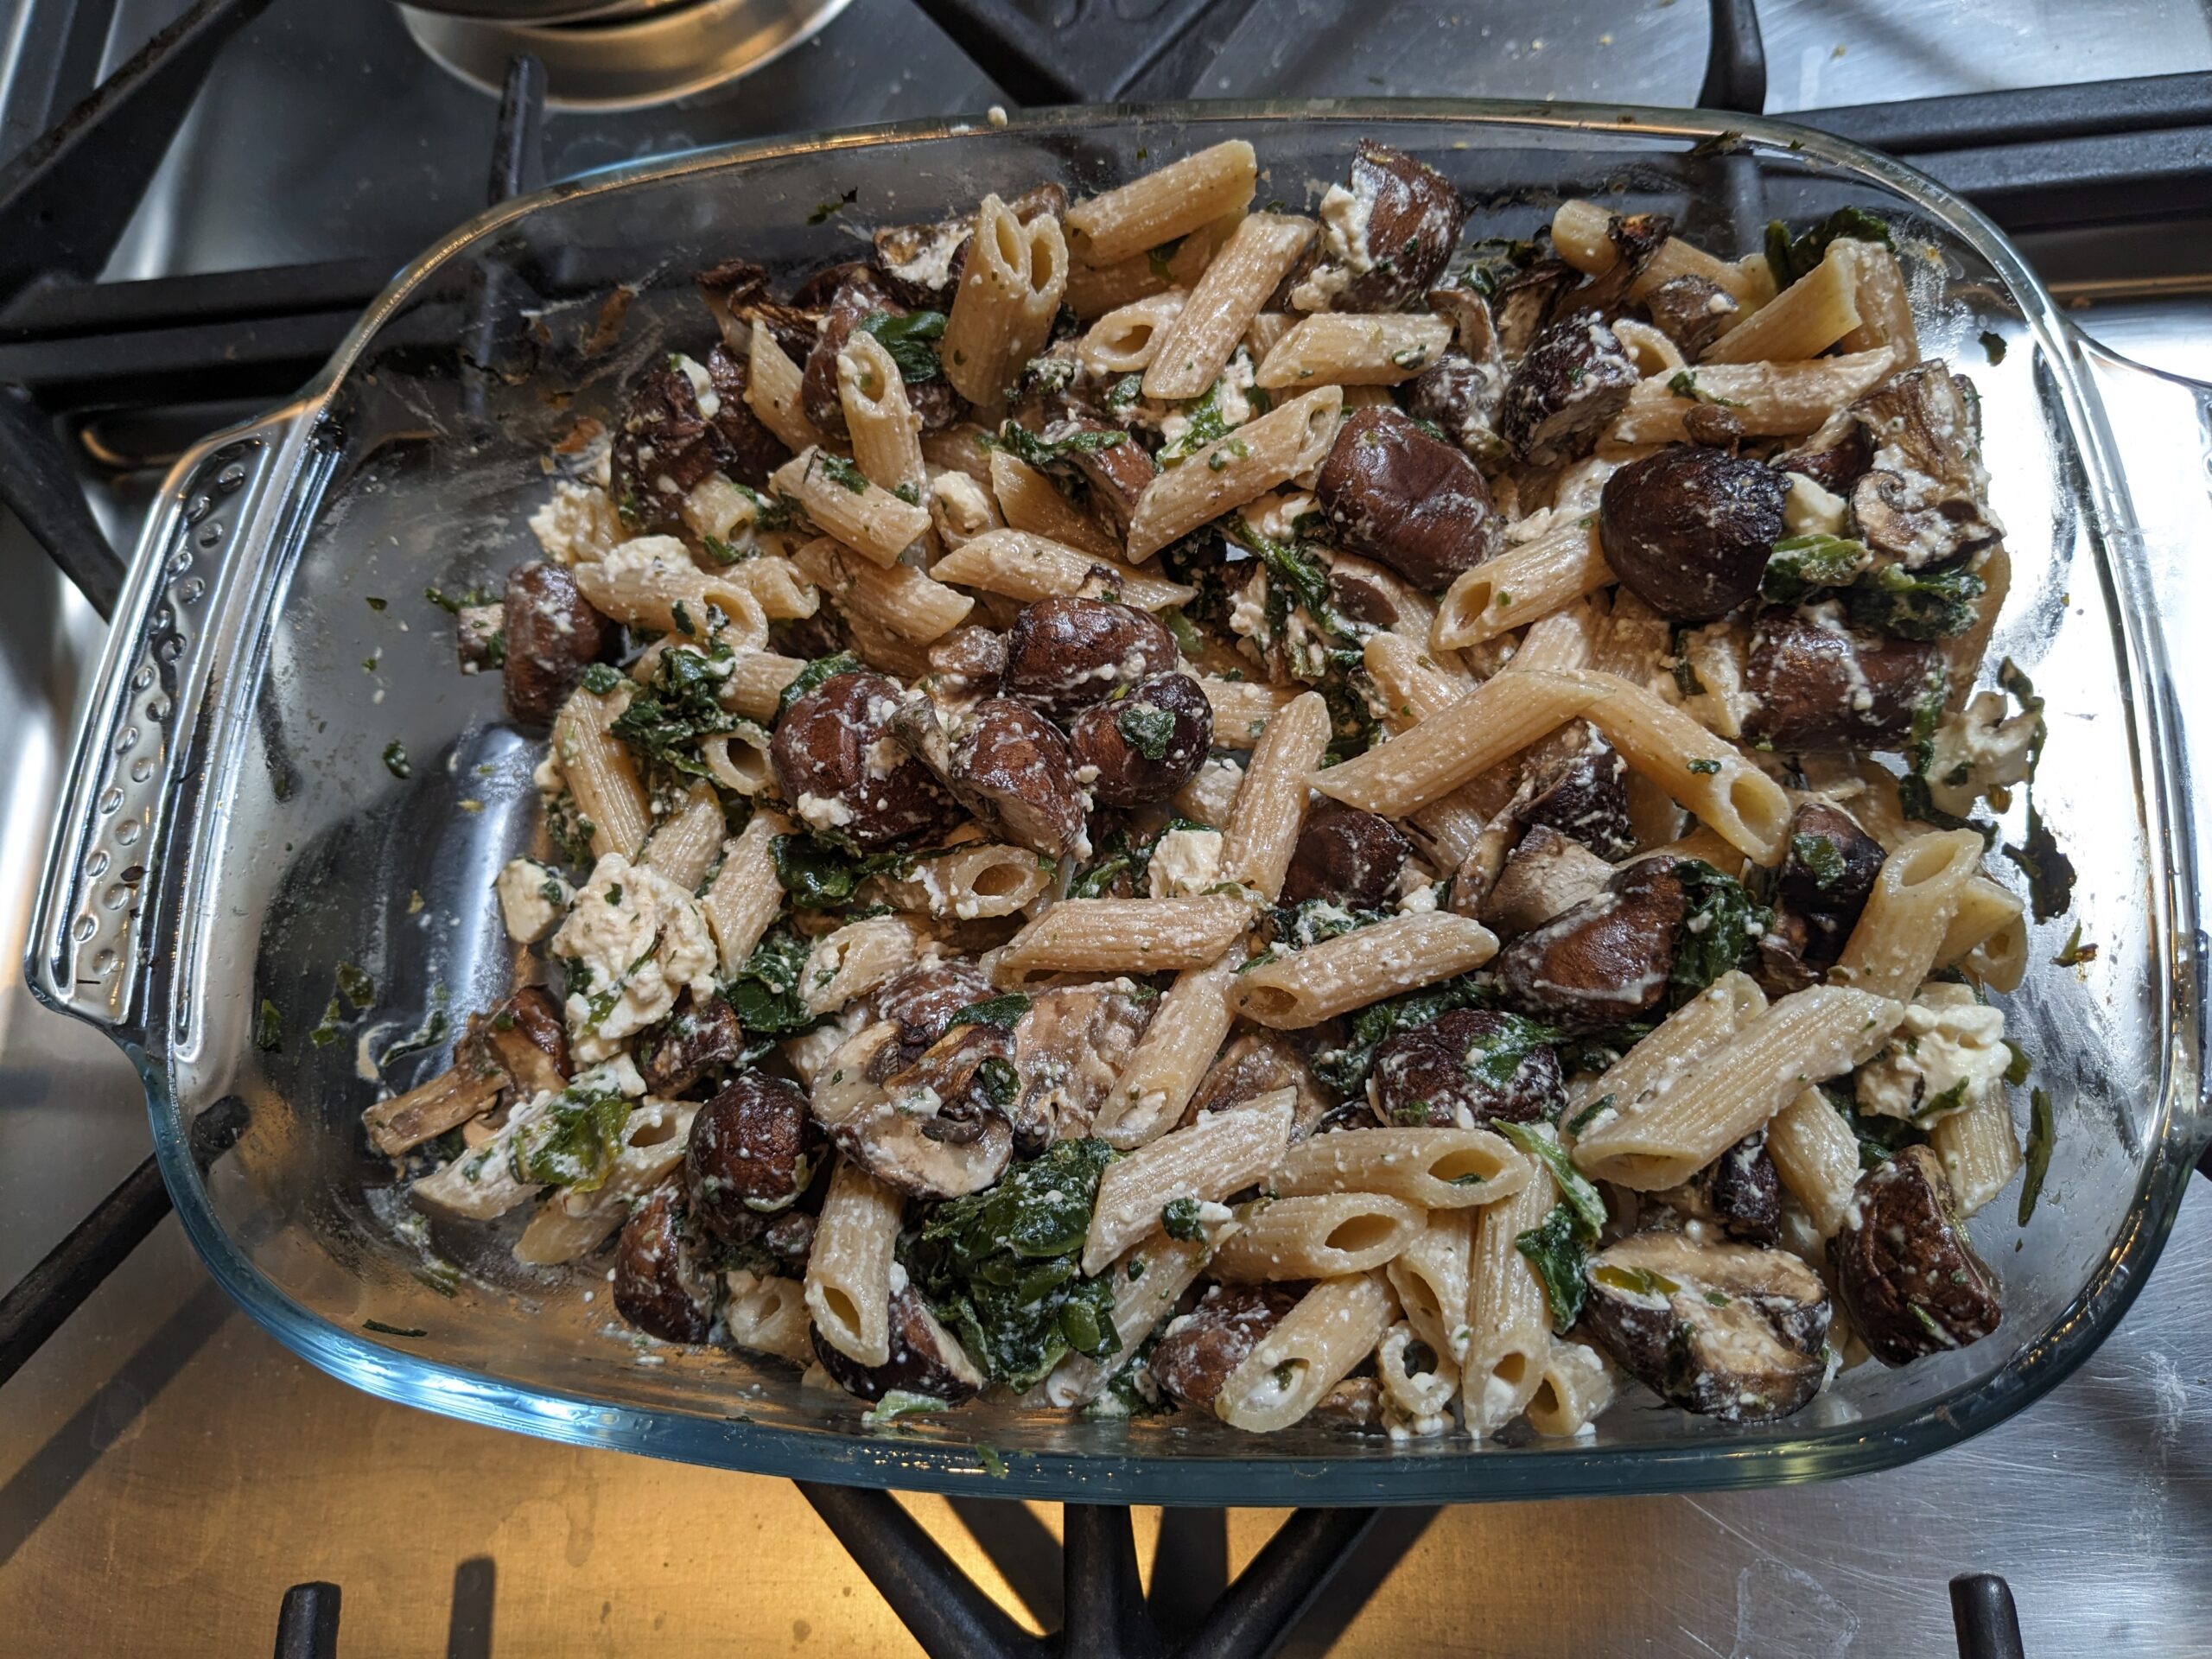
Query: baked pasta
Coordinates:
[1154,804]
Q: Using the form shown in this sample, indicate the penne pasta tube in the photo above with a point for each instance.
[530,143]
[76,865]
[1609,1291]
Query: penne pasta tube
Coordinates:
[1430,1278]
[1980,1149]
[1988,935]
[1521,585]
[1769,400]
[1322,1236]
[1094,290]
[571,1223]
[1576,1385]
[1803,320]
[774,390]
[850,961]
[1303,987]
[1509,1319]
[652,581]
[1270,805]
[1030,501]
[1121,936]
[1885,308]
[1147,1282]
[1578,231]
[754,685]
[1706,774]
[1696,1029]
[842,502]
[969,884]
[688,840]
[1010,288]
[848,1267]
[1126,338]
[764,1314]
[887,434]
[1278,446]
[1241,709]
[1164,1069]
[1335,1325]
[1494,722]
[1221,1153]
[600,774]
[1028,567]
[742,899]
[1816,1156]
[1687,1120]
[1901,932]
[1169,202]
[897,598]
[1434,1169]
[1353,349]
[1192,350]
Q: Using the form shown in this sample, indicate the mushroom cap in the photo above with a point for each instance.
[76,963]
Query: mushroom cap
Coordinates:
[1143,748]
[1689,530]
[1908,1276]
[1402,498]
[1065,654]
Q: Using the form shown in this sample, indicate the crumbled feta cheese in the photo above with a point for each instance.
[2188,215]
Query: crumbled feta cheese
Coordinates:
[960,509]
[1344,215]
[1809,510]
[532,898]
[1184,863]
[640,939]
[702,387]
[1949,1054]
[824,812]
[1978,750]
[1716,654]
[577,525]
[1419,902]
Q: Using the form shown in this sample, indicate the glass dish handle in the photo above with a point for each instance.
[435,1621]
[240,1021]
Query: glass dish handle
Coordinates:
[2161,430]
[137,764]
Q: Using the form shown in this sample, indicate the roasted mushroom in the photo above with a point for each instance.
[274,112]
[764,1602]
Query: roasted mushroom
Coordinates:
[1470,1068]
[1546,875]
[1527,302]
[1636,238]
[1461,391]
[935,1128]
[968,660]
[1260,1063]
[841,770]
[745,448]
[924,999]
[662,1282]
[753,1151]
[1386,238]
[1137,749]
[858,295]
[1825,878]
[1574,379]
[1399,496]
[1908,1276]
[1821,685]
[552,636]
[662,446]
[523,1047]
[1921,504]
[1012,769]
[1584,796]
[1346,856]
[1731,1331]
[1069,1049]
[692,1041]
[1195,1353]
[1064,654]
[1835,457]
[1689,530]
[1739,1192]
[1692,311]
[1604,961]
[1115,475]
[925,1359]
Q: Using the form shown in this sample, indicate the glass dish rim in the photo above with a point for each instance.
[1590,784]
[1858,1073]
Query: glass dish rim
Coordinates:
[954,1465]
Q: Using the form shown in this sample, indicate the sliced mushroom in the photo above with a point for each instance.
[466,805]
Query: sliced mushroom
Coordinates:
[1689,530]
[523,1046]
[1400,497]
[935,1128]
[695,1040]
[1387,236]
[922,1000]
[1921,504]
[1064,654]
[1469,1068]
[1527,302]
[1118,475]
[1825,878]
[527,1038]
[841,770]
[1012,769]
[1835,457]
[925,1359]
[662,446]
[1546,875]
[1908,1276]
[1261,1063]
[1821,685]
[1728,1330]
[1606,961]
[1692,311]
[663,1283]
[1461,391]
[753,1150]
[1584,796]
[1636,238]
[553,636]
[1739,1192]
[1195,1353]
[746,450]
[1574,379]
[1135,750]
[1346,856]
[1069,1050]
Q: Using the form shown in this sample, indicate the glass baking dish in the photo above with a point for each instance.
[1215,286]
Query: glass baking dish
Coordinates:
[233,829]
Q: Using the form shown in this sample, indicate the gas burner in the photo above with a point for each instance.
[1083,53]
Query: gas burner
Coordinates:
[627,57]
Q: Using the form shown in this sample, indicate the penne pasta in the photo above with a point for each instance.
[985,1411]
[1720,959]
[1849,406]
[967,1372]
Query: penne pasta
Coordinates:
[897,598]
[1193,348]
[1221,1153]
[1010,287]
[1278,446]
[1521,585]
[1344,349]
[1270,805]
[745,894]
[1321,1236]
[887,434]
[842,502]
[1170,202]
[1768,400]
[1301,988]
[848,1266]
[1901,932]
[1431,1169]
[1026,566]
[1171,1059]
[1334,1326]
[1030,501]
[1121,936]
[599,772]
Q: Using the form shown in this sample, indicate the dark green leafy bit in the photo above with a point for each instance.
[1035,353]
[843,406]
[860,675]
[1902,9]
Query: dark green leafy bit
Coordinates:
[2050,872]
[1125,393]
[1344,1069]
[1880,1139]
[374,603]
[574,1142]
[1157,259]
[1720,932]
[1000,1268]
[2043,1134]
[359,989]
[268,1028]
[831,206]
[821,669]
[766,994]
[1597,1050]
[383,1329]
[1003,1011]
[820,875]
[669,718]
[2017,1072]
[1926,604]
[396,761]
[1913,798]
[1496,1060]
[1801,565]
[1683,383]
[1001,1084]
[601,679]
[1556,1248]
[1312,921]
[1120,855]
[2074,953]
[841,473]
[326,1032]
[1589,1114]
[1992,346]
[1542,1142]
[1178,1218]
[1052,457]
[911,340]
[455,604]
[1822,858]
[1790,259]
[1147,728]
[1495,261]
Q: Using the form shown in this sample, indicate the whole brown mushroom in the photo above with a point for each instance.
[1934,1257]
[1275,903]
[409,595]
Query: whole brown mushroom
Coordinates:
[663,1283]
[552,636]
[1065,654]
[1198,1351]
[1605,962]
[1689,530]
[1574,379]
[1908,1275]
[1135,750]
[1400,497]
[1012,770]
[752,1152]
[1821,685]
[1346,856]
[842,772]
[1469,1069]
[1410,218]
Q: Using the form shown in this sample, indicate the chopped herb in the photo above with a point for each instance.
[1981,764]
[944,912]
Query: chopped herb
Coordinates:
[819,875]
[988,1456]
[455,604]
[911,340]
[2074,953]
[268,1028]
[2050,872]
[829,205]
[1051,454]
[1157,260]
[383,1329]
[1000,1268]
[840,471]
[1542,1142]
[1125,392]
[1720,932]
[670,716]
[1178,1218]
[1557,1249]
[1790,259]
[1004,1011]
[1147,728]
[1821,857]
[1928,605]
[2017,1072]
[1801,565]
[1716,1299]
[326,1032]
[374,603]
[819,669]
[1001,1084]
[909,494]
[360,989]
[1589,1114]
[599,679]
[766,994]
[575,1141]
[395,760]
[2043,1134]
[1188,639]
[1683,383]
[1703,768]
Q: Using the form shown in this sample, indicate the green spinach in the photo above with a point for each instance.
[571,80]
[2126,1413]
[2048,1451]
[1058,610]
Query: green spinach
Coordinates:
[911,341]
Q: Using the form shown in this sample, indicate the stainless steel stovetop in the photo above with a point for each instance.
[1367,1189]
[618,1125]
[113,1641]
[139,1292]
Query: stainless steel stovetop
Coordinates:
[166,1471]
